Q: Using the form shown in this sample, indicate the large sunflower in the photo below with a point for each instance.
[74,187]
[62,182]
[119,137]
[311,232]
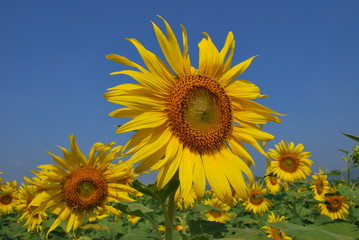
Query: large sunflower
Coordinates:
[320,185]
[80,186]
[8,197]
[189,120]
[256,203]
[290,162]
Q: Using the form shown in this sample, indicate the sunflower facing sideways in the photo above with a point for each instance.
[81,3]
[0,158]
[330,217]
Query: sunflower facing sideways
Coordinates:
[79,187]
[290,163]
[189,120]
[32,221]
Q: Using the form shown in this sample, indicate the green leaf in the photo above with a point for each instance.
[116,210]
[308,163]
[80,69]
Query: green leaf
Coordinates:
[249,233]
[333,173]
[330,231]
[355,138]
[344,151]
[209,228]
[136,209]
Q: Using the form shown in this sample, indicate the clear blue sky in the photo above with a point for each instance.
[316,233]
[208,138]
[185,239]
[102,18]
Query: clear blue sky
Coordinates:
[53,72]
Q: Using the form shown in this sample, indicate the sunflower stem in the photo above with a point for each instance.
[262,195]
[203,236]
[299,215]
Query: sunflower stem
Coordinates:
[169,213]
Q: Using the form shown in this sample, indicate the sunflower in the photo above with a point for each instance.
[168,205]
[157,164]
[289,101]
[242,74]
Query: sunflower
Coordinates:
[254,203]
[290,162]
[187,202]
[272,181]
[33,221]
[133,219]
[335,207]
[320,185]
[8,197]
[220,211]
[80,186]
[275,233]
[189,120]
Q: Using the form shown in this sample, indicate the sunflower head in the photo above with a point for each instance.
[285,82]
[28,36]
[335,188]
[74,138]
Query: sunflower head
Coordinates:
[275,233]
[32,221]
[272,182]
[190,120]
[335,207]
[220,212]
[255,202]
[8,197]
[290,163]
[320,185]
[79,186]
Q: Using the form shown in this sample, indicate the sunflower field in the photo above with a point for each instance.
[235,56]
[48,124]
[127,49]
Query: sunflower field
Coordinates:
[192,126]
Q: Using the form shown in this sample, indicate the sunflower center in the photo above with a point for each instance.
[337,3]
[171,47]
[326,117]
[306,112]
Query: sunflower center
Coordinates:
[319,186]
[200,113]
[85,188]
[216,214]
[255,199]
[289,163]
[335,203]
[6,198]
[273,180]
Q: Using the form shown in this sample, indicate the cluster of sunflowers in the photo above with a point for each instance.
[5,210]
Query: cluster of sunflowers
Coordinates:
[190,124]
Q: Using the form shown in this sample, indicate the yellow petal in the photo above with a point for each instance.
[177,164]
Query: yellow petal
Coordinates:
[145,120]
[234,72]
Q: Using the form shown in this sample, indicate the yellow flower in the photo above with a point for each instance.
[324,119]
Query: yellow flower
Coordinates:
[8,197]
[179,227]
[133,219]
[290,162]
[272,181]
[275,233]
[220,214]
[161,228]
[188,202]
[189,120]
[33,221]
[255,203]
[320,185]
[79,187]
[335,207]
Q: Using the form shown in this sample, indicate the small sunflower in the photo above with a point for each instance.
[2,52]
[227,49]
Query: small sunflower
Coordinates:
[133,219]
[290,163]
[320,185]
[188,202]
[189,120]
[32,221]
[220,213]
[335,207]
[255,203]
[8,197]
[275,233]
[272,181]
[80,187]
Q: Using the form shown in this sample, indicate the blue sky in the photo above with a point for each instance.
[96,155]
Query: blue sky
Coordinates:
[53,72]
